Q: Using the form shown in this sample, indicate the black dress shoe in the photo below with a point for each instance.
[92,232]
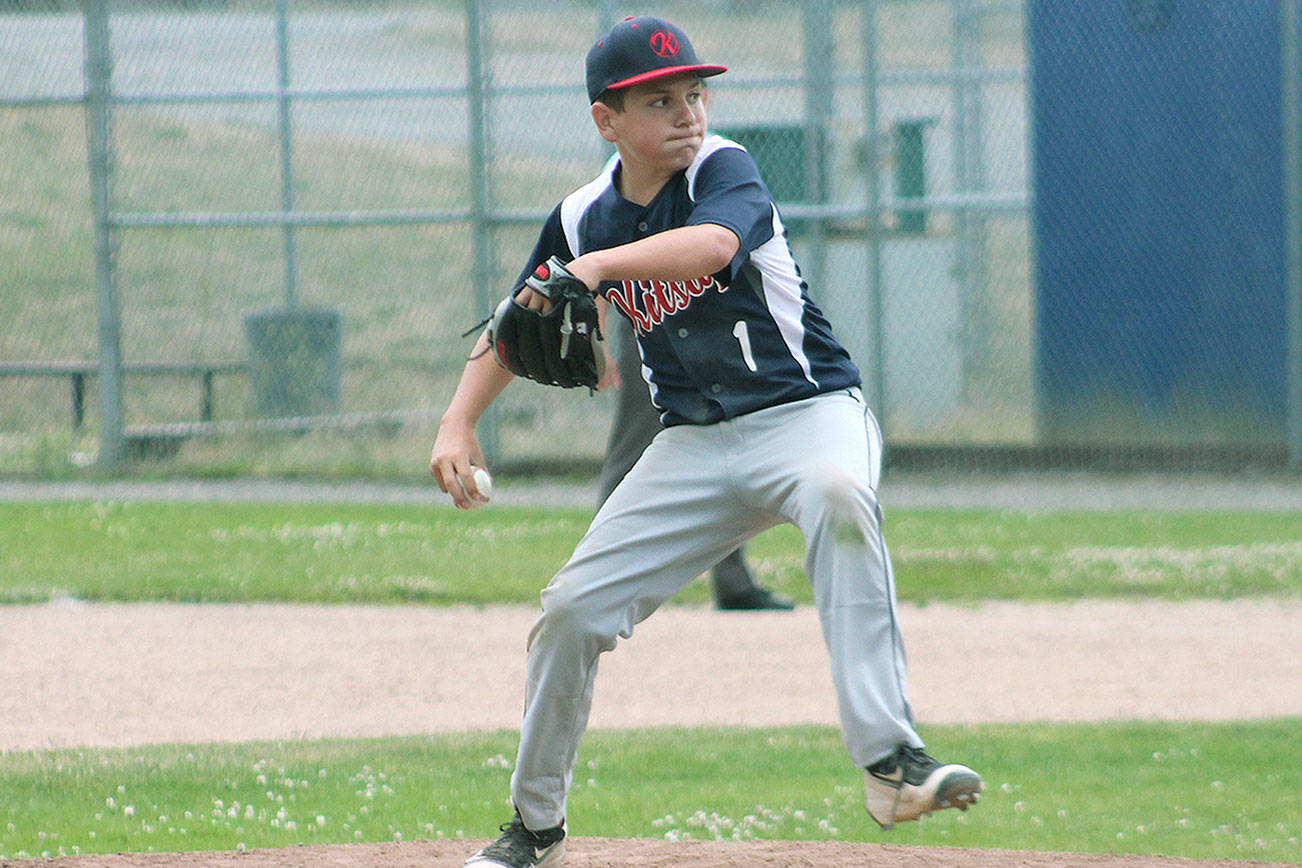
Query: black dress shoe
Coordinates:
[754,599]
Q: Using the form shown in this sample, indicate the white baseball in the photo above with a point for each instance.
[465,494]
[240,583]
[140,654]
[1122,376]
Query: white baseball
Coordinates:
[484,483]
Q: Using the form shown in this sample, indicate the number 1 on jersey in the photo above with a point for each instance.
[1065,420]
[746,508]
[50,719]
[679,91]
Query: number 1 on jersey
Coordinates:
[740,332]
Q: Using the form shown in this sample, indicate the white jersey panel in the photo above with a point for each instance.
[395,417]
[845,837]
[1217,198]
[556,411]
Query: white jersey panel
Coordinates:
[575,205]
[711,145]
[646,376]
[783,294]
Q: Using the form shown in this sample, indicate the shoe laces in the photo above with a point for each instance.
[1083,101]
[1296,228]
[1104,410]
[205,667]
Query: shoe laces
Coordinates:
[914,754]
[911,761]
[518,843]
[915,764]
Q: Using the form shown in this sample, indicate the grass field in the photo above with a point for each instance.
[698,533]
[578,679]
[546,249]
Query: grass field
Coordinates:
[1195,790]
[221,552]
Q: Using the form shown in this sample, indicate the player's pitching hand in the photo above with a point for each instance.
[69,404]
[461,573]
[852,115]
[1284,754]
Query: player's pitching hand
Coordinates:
[457,465]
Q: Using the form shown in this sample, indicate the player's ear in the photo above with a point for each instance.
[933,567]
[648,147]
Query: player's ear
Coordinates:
[603,116]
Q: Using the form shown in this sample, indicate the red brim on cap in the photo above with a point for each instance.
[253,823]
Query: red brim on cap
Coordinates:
[701,68]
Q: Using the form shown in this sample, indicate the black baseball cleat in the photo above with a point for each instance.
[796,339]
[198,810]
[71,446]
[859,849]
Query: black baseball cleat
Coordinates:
[755,599]
[908,784]
[520,848]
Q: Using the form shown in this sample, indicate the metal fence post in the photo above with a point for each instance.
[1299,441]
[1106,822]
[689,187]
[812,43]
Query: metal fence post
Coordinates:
[477,87]
[284,117]
[99,108]
[875,381]
[1291,65]
[968,165]
[819,95]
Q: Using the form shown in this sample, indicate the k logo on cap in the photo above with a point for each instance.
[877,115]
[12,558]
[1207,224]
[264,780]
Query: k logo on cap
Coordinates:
[664,43]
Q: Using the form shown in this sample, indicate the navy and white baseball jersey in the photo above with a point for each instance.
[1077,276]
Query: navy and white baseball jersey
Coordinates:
[724,344]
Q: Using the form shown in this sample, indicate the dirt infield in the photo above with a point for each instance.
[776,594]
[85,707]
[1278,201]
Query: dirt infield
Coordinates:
[624,853]
[117,675]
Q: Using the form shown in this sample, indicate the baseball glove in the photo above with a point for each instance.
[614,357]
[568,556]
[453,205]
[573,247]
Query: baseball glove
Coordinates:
[557,348]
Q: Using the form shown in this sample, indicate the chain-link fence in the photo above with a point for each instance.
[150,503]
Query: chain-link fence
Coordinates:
[246,234]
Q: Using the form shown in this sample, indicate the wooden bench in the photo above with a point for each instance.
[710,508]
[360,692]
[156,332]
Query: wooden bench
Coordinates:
[78,372]
[164,440]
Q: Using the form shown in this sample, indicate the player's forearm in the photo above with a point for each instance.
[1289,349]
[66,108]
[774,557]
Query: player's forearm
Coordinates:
[677,254]
[482,381]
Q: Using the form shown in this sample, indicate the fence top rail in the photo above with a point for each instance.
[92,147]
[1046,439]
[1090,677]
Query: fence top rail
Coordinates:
[69,367]
[318,219]
[247,219]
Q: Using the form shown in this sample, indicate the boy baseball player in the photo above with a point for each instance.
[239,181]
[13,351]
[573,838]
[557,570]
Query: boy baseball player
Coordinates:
[764,424]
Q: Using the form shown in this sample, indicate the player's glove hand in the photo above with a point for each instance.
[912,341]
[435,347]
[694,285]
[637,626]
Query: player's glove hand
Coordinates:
[557,348]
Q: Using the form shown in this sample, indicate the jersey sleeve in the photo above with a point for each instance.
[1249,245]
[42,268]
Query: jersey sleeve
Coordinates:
[551,242]
[729,192]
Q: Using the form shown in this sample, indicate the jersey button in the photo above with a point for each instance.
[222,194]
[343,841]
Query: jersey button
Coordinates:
[682,333]
[641,227]
[716,388]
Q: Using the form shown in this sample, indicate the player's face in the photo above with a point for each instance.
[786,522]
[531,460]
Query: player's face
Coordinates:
[663,123]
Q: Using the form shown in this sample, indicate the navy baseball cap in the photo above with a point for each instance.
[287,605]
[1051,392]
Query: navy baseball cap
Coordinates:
[641,49]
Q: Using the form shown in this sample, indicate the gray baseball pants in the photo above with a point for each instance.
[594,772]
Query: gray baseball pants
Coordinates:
[697,493]
[636,424]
